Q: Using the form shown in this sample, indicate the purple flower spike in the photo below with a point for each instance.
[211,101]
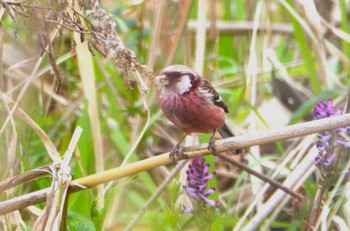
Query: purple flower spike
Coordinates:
[323,110]
[198,177]
[329,141]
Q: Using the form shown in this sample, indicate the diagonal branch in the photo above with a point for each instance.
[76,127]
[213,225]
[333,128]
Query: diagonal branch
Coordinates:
[244,141]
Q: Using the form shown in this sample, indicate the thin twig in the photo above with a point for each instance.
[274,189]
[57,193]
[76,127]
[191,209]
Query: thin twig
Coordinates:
[261,176]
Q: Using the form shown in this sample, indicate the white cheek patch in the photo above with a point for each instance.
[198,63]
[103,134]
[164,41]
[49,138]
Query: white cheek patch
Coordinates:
[184,84]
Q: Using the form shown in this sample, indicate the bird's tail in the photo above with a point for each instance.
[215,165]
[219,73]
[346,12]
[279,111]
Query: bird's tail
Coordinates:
[226,132]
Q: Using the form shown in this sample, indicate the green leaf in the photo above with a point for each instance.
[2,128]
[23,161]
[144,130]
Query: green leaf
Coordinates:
[307,53]
[76,222]
[85,145]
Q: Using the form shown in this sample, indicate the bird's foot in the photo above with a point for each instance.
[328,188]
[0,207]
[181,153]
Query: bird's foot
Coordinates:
[211,145]
[177,153]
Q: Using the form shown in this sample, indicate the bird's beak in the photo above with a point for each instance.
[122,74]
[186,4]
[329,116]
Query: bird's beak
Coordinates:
[162,80]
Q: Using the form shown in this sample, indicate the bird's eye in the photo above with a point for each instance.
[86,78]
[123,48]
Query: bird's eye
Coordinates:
[177,74]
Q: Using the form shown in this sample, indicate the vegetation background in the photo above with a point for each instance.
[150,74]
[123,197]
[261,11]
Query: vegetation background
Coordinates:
[270,60]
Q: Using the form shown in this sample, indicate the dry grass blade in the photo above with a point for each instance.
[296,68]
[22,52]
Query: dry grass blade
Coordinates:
[271,55]
[185,11]
[243,28]
[50,147]
[252,64]
[314,20]
[18,74]
[1,56]
[156,33]
[87,75]
[26,177]
[295,177]
[51,217]
[26,85]
[262,191]
[261,177]
[201,36]
[317,40]
[251,96]
[56,71]
[11,150]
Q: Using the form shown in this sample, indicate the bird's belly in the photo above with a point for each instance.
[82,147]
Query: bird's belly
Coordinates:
[193,114]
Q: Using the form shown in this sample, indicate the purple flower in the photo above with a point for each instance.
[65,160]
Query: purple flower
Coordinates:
[345,144]
[323,142]
[325,162]
[344,131]
[323,110]
[329,140]
[198,177]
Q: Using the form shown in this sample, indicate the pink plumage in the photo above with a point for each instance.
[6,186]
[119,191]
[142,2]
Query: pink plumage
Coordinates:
[192,113]
[191,103]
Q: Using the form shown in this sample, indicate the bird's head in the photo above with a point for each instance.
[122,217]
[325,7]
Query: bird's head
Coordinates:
[176,79]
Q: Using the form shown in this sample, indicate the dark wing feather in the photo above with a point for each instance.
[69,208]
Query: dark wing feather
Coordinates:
[226,132]
[213,95]
[207,89]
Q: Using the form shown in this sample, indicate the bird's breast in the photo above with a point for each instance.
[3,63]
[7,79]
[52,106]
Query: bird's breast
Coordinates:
[192,113]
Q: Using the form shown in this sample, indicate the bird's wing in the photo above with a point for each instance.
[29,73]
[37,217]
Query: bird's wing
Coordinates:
[226,132]
[208,90]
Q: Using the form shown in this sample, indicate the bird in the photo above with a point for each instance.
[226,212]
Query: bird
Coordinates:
[192,104]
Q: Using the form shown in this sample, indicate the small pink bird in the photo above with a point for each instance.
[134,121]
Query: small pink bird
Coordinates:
[192,104]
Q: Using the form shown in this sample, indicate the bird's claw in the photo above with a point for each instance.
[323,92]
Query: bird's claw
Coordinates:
[211,145]
[177,153]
